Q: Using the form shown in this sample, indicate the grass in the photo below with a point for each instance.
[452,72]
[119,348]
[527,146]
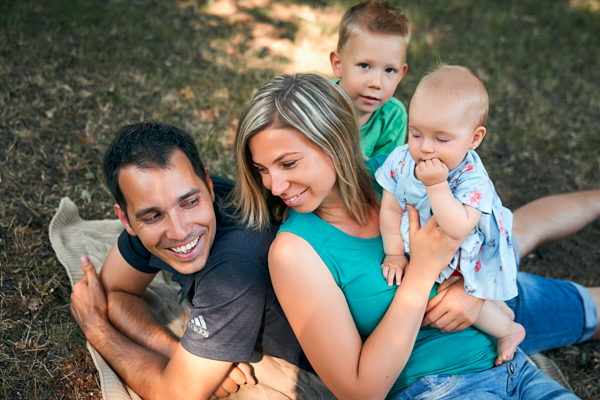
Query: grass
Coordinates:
[72,73]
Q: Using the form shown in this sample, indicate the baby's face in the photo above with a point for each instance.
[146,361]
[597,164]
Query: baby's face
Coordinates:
[440,130]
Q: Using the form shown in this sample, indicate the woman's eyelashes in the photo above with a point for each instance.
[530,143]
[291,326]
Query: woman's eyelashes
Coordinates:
[289,164]
[286,165]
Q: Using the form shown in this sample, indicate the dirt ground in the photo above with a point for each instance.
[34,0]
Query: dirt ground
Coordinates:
[72,73]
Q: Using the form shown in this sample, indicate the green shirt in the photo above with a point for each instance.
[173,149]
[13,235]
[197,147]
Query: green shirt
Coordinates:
[355,264]
[386,129]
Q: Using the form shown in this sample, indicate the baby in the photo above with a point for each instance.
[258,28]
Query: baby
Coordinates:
[440,174]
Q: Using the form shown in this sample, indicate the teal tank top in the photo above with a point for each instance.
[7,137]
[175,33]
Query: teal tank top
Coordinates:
[355,264]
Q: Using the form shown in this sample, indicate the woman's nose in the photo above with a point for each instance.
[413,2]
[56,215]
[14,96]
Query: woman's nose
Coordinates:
[279,184]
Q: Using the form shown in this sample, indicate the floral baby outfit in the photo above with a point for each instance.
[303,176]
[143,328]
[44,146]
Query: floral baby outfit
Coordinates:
[486,257]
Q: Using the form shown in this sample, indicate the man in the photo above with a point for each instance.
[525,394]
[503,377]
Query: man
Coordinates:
[174,220]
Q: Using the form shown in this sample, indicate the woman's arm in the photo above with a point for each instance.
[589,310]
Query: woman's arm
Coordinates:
[319,315]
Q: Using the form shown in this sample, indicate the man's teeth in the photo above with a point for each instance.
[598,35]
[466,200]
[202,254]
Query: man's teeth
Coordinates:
[187,247]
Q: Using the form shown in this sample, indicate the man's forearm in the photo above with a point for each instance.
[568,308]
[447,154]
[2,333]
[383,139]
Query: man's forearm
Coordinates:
[129,359]
[132,317]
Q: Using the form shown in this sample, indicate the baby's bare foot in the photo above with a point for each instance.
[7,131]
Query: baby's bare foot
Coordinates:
[508,344]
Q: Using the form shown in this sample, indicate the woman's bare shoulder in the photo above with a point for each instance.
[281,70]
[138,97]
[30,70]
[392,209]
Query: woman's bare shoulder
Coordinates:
[288,247]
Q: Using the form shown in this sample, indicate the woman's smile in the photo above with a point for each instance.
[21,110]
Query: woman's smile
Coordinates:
[294,168]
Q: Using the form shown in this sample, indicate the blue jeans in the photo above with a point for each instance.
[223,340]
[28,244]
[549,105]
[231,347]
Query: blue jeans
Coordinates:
[554,313]
[516,379]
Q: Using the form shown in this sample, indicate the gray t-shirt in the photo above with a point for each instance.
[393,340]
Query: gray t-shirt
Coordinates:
[235,310]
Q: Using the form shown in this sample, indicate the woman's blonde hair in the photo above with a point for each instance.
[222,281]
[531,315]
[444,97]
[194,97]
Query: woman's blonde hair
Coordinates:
[315,107]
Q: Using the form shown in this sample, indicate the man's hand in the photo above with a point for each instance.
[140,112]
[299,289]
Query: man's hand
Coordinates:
[452,309]
[88,301]
[431,172]
[241,374]
[393,267]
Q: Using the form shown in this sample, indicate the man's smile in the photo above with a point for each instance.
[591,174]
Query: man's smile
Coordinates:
[185,248]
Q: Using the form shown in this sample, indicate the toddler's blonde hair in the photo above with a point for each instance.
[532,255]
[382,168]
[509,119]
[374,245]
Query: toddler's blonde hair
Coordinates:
[373,16]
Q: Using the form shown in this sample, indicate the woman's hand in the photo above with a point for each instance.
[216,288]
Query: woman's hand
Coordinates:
[430,248]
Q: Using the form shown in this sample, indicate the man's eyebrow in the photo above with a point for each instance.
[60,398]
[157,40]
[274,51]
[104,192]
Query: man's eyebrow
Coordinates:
[140,213]
[191,193]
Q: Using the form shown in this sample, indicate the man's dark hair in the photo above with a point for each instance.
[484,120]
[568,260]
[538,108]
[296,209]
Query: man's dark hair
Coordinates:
[147,145]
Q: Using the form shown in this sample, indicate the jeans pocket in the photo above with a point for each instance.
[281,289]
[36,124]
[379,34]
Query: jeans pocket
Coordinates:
[439,386]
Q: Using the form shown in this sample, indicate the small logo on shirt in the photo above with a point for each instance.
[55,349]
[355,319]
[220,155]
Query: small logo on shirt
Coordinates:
[198,325]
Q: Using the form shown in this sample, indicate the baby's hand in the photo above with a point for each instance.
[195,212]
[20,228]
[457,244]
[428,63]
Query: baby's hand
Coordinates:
[393,266]
[431,172]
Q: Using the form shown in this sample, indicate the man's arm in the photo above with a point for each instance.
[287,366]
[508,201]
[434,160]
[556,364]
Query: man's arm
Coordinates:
[127,311]
[150,374]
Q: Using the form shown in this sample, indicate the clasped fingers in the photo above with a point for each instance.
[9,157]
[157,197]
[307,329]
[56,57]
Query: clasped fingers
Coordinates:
[431,172]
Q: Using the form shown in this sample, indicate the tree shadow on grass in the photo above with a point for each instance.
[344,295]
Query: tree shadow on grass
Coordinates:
[72,73]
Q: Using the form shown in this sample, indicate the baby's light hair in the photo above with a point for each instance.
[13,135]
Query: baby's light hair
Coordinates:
[373,16]
[458,84]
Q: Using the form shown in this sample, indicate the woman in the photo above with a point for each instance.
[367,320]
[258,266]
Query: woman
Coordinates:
[297,145]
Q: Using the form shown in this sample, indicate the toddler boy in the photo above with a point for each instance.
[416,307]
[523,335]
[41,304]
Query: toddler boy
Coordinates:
[369,62]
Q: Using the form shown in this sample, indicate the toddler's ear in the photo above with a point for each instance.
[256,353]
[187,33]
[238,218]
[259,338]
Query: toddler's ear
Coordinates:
[336,64]
[477,137]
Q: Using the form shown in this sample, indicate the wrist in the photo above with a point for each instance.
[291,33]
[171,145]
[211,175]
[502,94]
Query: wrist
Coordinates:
[437,185]
[94,330]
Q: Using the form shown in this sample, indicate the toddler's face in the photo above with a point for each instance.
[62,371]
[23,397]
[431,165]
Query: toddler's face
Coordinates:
[441,130]
[370,68]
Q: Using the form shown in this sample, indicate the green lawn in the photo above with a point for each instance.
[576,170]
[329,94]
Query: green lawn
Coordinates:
[73,72]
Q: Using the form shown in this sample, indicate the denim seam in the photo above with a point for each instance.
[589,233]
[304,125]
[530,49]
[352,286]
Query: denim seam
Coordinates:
[589,311]
[440,389]
[555,394]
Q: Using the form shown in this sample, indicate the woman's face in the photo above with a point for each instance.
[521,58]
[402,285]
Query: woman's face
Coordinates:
[294,168]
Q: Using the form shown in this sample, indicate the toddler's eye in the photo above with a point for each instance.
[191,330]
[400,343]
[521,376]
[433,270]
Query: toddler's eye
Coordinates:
[390,70]
[363,65]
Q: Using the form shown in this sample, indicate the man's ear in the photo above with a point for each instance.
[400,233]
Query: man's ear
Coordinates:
[123,217]
[336,64]
[209,182]
[477,137]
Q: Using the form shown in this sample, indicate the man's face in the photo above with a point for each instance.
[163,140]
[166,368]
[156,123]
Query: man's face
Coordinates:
[171,211]
[370,66]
